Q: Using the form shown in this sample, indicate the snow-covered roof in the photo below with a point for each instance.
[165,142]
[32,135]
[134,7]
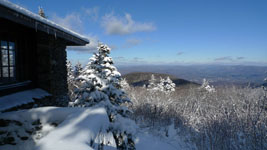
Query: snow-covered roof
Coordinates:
[20,98]
[40,20]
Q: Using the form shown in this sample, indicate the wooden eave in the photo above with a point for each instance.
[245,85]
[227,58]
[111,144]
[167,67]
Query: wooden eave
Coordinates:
[22,19]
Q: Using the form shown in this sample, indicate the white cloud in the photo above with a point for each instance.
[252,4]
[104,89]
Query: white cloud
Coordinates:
[112,46]
[92,12]
[71,21]
[137,59]
[129,61]
[180,53]
[91,47]
[225,58]
[115,25]
[229,58]
[240,58]
[131,43]
[119,58]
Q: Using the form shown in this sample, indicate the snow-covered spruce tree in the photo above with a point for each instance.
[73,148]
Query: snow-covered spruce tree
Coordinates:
[205,86]
[77,70]
[70,81]
[41,12]
[100,85]
[152,84]
[124,84]
[69,71]
[166,85]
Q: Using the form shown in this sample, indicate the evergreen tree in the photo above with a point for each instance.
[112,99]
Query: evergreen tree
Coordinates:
[152,84]
[125,85]
[166,85]
[71,81]
[205,85]
[99,84]
[77,69]
[41,12]
[69,71]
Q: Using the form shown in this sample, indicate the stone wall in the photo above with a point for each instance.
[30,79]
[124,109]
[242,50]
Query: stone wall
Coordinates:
[51,67]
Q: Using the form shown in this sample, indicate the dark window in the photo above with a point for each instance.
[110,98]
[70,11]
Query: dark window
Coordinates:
[7,62]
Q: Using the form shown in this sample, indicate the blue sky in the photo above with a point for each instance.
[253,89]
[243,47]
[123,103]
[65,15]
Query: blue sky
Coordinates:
[165,31]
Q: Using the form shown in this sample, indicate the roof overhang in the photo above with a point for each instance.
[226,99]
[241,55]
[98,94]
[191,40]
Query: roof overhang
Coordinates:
[36,22]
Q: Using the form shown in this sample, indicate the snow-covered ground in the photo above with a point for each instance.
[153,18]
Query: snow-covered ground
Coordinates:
[20,98]
[146,141]
[81,129]
[162,138]
[76,128]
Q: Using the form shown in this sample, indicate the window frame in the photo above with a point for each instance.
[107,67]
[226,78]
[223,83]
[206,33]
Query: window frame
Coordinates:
[8,79]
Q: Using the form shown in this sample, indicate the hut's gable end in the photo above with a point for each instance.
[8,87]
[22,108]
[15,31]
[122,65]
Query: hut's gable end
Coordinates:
[40,59]
[37,55]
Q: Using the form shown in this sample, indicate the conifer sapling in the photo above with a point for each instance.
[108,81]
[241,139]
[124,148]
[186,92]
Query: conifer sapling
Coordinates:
[99,85]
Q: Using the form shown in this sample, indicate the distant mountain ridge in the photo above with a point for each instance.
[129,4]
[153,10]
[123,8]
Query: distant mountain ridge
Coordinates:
[215,74]
[141,78]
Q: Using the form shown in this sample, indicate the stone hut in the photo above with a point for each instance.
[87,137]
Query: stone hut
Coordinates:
[33,52]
